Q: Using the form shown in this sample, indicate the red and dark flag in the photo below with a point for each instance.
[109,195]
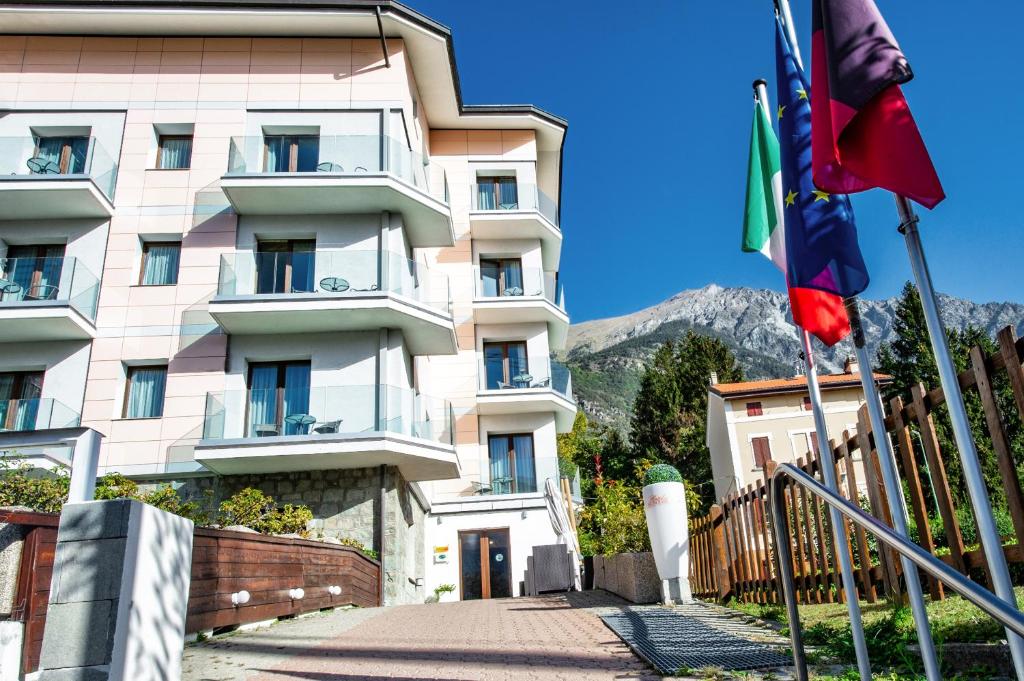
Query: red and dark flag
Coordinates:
[863,134]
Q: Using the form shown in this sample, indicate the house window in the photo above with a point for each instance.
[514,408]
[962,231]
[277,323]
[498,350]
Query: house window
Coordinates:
[513,470]
[291,153]
[804,443]
[60,155]
[146,387]
[20,393]
[754,409]
[497,192]
[501,277]
[278,401]
[160,261]
[32,272]
[174,152]
[285,266]
[506,366]
[762,451]
[807,404]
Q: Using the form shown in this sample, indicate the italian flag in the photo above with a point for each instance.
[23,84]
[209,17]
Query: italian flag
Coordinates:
[764,231]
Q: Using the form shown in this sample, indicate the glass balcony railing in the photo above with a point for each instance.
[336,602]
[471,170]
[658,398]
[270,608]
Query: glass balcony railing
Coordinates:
[507,372]
[303,412]
[36,414]
[506,282]
[334,273]
[61,280]
[58,158]
[513,196]
[501,474]
[343,155]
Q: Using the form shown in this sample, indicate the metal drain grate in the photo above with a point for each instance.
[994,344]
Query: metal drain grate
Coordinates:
[693,638]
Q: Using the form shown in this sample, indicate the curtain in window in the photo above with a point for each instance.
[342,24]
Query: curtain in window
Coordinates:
[278,152]
[501,469]
[176,152]
[517,363]
[6,394]
[263,400]
[303,264]
[508,193]
[308,154]
[49,279]
[494,366]
[526,470]
[270,267]
[146,393]
[79,150]
[52,149]
[28,404]
[485,198]
[513,273]
[490,274]
[161,265]
[20,271]
[296,397]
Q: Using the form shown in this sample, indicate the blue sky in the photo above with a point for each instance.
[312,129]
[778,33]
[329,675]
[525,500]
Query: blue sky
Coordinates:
[658,99]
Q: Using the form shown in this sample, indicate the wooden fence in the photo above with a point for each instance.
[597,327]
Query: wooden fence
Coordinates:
[731,554]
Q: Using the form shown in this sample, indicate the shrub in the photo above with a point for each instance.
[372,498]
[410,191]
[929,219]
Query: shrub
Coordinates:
[661,472]
[166,498]
[116,486]
[20,486]
[356,544]
[614,521]
[253,509]
[443,589]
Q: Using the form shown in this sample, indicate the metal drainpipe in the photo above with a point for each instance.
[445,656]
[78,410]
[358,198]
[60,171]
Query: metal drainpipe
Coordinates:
[380,529]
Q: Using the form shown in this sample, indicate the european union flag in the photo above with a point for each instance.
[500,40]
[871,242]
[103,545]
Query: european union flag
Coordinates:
[821,240]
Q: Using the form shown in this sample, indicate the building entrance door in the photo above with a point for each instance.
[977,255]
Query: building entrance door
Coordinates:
[485,564]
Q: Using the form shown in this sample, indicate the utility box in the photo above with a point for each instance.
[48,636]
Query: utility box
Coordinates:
[119,594]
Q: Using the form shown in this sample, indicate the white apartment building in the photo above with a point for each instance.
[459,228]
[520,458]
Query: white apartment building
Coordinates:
[268,245]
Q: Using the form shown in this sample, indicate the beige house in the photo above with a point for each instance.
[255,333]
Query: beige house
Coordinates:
[755,421]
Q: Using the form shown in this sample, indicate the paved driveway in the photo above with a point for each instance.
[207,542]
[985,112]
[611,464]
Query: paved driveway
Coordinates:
[522,638]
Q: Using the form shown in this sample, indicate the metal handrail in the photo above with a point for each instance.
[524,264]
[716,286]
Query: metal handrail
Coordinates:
[1007,615]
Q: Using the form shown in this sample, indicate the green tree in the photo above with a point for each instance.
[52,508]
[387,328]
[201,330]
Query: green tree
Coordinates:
[669,422]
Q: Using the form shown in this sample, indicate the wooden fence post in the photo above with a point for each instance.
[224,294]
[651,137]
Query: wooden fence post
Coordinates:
[721,558]
[879,505]
[867,590]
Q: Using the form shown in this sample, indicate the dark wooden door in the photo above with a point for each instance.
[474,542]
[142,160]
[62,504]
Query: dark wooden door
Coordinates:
[485,564]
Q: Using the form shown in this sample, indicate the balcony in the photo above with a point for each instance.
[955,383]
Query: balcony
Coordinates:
[517,385]
[522,295]
[344,290]
[31,415]
[340,174]
[318,428]
[516,211]
[44,178]
[43,299]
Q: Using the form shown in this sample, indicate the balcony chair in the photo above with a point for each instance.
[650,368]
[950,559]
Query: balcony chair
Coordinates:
[512,291]
[9,289]
[329,167]
[266,429]
[327,427]
[41,292]
[543,383]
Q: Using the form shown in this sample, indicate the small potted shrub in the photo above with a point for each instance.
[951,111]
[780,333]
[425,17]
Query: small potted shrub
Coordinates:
[444,593]
[665,509]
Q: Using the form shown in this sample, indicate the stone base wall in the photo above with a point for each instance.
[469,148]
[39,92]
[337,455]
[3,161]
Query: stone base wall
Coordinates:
[345,504]
[634,576]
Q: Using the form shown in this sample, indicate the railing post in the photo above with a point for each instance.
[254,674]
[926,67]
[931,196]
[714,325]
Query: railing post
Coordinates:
[721,565]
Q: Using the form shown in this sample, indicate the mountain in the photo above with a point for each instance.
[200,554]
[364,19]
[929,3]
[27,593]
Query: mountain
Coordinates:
[607,356]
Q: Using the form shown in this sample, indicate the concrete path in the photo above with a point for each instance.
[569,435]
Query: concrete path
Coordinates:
[523,638]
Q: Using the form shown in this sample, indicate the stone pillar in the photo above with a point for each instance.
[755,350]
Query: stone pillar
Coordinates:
[119,594]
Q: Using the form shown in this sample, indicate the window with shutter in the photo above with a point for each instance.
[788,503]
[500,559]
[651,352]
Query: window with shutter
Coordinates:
[754,409]
[762,451]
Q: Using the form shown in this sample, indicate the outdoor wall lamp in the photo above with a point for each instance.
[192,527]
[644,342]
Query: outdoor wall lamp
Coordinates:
[296,594]
[240,598]
[334,590]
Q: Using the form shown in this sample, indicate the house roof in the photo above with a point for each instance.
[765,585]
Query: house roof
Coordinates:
[797,384]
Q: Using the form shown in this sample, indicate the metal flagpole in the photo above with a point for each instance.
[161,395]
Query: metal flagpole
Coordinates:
[894,496]
[841,540]
[990,540]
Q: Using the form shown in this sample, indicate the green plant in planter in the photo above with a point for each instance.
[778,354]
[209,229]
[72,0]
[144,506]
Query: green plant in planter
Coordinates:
[661,472]
[443,589]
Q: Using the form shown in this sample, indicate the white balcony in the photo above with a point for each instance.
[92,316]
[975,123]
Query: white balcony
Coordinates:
[44,299]
[527,213]
[329,428]
[313,292]
[342,174]
[537,386]
[37,182]
[537,296]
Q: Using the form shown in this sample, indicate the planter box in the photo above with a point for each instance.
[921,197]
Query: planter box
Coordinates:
[632,576]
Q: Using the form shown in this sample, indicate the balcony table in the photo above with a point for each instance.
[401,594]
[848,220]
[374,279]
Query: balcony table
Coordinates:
[334,284]
[522,381]
[7,286]
[42,166]
[301,422]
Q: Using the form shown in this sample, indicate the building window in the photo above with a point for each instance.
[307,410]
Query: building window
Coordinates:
[32,272]
[20,393]
[278,401]
[291,153]
[506,365]
[285,266]
[513,470]
[804,443]
[807,404]
[60,155]
[174,152]
[501,277]
[497,192]
[762,451]
[754,409]
[160,260]
[146,387]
